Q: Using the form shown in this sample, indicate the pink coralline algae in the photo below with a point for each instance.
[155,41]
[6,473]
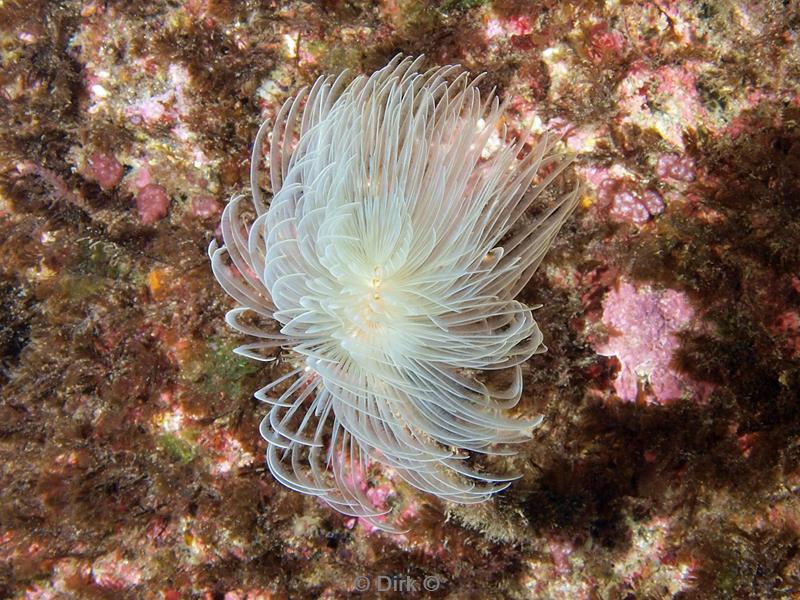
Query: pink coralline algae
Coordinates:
[605,44]
[513,26]
[644,325]
[169,106]
[152,203]
[114,572]
[787,326]
[628,204]
[106,170]
[674,88]
[205,206]
[673,166]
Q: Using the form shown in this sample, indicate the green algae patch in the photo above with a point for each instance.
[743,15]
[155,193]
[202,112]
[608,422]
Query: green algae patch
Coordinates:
[80,288]
[177,448]
[213,368]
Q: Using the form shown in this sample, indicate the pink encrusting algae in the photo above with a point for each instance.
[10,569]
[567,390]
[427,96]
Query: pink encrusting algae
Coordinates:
[106,169]
[152,203]
[626,203]
[643,327]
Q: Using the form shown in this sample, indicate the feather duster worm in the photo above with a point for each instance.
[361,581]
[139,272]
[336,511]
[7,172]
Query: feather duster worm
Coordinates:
[389,259]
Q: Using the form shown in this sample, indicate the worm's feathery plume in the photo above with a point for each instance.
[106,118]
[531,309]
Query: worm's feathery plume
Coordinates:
[390,257]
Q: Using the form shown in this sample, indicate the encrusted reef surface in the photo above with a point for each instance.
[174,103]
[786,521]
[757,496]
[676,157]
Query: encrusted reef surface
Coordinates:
[667,465]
